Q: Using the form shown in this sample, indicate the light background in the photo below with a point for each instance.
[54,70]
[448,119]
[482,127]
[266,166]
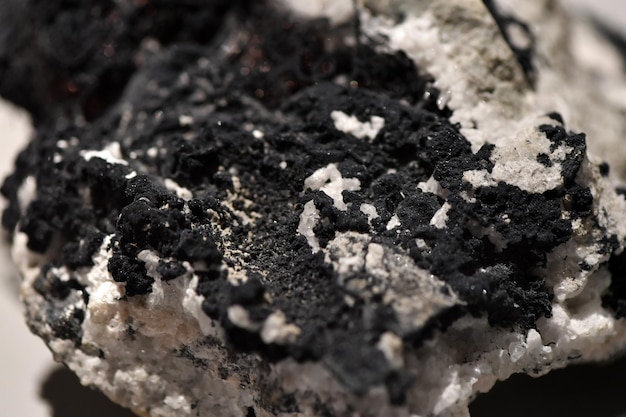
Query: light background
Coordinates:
[32,385]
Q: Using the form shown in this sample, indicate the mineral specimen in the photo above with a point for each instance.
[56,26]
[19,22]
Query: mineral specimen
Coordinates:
[316,208]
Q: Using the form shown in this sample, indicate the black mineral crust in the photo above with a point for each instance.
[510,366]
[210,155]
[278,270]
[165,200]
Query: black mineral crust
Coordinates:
[62,56]
[241,117]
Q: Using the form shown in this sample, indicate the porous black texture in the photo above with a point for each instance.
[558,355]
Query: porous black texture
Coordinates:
[63,57]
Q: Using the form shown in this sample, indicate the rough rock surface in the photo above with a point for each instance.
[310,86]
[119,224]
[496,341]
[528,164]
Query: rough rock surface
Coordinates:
[292,214]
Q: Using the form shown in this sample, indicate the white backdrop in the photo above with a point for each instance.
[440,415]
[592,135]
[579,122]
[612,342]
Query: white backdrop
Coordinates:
[27,372]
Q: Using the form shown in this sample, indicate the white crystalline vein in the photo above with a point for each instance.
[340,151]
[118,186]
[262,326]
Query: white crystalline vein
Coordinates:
[393,222]
[112,153]
[152,152]
[330,181]
[181,192]
[192,303]
[308,220]
[370,211]
[276,329]
[455,56]
[185,120]
[353,126]
[391,346]
[440,217]
[240,317]
[337,11]
[515,161]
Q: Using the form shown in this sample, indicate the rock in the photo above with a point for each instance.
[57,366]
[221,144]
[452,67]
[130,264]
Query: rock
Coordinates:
[274,218]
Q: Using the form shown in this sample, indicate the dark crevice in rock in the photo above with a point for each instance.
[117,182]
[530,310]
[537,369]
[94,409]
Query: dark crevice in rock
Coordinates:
[519,37]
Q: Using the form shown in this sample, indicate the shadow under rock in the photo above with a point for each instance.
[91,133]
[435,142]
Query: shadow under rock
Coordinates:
[62,390]
[591,390]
